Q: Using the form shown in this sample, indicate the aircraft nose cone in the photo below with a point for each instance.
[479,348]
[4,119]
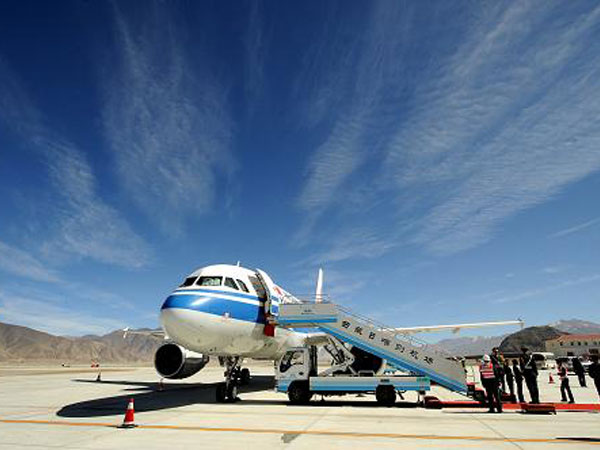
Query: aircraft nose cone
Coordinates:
[180,320]
[175,323]
[171,315]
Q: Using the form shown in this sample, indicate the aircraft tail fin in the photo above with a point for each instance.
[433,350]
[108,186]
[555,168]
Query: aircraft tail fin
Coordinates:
[319,290]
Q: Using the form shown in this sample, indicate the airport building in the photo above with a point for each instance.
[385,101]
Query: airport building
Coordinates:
[574,345]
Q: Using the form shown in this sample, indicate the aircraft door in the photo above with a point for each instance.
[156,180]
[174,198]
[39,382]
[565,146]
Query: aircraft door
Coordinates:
[273,294]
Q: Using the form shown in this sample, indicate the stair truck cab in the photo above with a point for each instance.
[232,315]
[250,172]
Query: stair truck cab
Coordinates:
[296,373]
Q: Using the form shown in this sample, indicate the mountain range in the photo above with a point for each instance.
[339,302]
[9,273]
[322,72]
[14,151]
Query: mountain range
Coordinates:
[20,344]
[480,345]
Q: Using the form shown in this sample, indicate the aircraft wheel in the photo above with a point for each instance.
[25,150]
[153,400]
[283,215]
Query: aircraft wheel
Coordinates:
[221,393]
[385,395]
[245,377]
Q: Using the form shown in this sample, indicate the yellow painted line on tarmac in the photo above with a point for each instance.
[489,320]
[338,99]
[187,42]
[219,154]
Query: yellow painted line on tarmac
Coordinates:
[350,434]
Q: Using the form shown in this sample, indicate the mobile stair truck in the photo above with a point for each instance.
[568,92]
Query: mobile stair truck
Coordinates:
[297,370]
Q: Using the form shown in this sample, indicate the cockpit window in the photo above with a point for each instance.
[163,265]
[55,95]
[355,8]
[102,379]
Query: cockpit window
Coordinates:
[209,281]
[230,283]
[188,281]
[242,285]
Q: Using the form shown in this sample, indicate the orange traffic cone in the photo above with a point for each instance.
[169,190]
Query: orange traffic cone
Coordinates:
[129,422]
[550,379]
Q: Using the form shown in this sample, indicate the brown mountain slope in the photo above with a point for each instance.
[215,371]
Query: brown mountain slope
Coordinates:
[22,344]
[577,326]
[465,346]
[532,337]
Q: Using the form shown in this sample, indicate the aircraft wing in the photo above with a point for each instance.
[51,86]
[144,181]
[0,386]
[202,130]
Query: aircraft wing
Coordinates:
[156,333]
[457,327]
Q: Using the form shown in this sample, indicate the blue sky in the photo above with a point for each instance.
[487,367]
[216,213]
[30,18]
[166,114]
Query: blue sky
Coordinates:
[440,160]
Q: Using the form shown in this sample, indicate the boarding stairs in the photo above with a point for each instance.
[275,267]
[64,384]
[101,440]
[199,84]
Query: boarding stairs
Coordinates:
[399,349]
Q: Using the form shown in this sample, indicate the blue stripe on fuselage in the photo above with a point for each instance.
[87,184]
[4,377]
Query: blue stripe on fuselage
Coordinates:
[217,306]
[274,298]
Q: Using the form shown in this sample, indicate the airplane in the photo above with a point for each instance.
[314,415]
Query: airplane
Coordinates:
[228,311]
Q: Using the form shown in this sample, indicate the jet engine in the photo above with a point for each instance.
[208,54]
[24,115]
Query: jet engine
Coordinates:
[175,362]
[365,361]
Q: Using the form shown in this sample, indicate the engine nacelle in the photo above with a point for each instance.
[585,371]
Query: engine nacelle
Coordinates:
[175,362]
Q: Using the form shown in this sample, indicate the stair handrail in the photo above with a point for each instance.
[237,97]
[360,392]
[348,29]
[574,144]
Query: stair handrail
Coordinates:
[397,334]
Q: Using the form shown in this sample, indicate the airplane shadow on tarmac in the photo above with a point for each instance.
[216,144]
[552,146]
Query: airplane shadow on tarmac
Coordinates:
[148,397]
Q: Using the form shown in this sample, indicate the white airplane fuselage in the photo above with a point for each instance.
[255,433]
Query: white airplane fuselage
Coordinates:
[220,310]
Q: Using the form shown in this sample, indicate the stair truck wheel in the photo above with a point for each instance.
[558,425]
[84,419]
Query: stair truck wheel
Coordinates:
[299,393]
[385,395]
[245,377]
[221,393]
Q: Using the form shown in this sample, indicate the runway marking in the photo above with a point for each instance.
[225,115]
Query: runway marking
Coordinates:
[353,434]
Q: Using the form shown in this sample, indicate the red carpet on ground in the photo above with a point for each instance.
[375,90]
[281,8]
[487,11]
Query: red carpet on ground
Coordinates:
[558,406]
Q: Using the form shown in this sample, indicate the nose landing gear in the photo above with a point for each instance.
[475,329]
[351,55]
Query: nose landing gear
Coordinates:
[227,392]
[234,377]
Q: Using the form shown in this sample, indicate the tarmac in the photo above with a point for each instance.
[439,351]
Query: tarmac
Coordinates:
[56,407]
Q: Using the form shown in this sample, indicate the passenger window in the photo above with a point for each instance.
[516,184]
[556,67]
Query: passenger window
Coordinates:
[242,285]
[230,283]
[188,281]
[209,281]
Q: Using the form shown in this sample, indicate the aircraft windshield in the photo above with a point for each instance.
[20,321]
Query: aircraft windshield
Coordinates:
[230,283]
[291,358]
[242,285]
[188,282]
[209,281]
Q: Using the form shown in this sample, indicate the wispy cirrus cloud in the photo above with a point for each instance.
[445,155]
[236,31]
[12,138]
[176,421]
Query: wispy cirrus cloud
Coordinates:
[255,45]
[87,226]
[536,292]
[501,122]
[362,242]
[21,263]
[507,128]
[79,222]
[165,120]
[355,85]
[45,315]
[553,270]
[575,228]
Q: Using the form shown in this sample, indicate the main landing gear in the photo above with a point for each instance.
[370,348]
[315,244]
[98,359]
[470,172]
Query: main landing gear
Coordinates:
[234,377]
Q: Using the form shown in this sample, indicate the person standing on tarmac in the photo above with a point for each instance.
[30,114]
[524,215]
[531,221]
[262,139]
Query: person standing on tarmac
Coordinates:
[498,362]
[594,371]
[519,380]
[579,371]
[490,383]
[564,383]
[509,378]
[530,374]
